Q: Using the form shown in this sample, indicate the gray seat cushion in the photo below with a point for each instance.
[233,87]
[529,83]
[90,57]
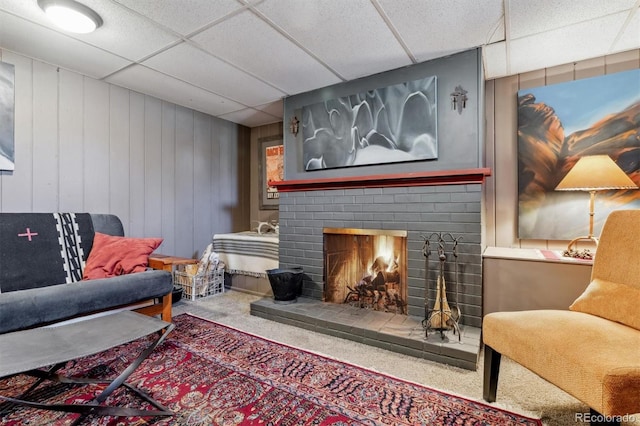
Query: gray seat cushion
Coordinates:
[28,308]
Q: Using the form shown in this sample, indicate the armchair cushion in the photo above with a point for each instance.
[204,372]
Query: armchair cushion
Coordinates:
[613,301]
[591,358]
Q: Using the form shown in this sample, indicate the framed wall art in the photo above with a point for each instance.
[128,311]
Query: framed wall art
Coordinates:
[392,124]
[557,125]
[7,116]
[271,168]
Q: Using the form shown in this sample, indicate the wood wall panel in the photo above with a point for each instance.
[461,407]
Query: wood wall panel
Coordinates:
[202,201]
[45,138]
[216,177]
[71,142]
[489,199]
[589,68]
[559,74]
[152,165]
[184,180]
[135,227]
[85,145]
[244,173]
[623,61]
[119,148]
[501,115]
[168,180]
[96,146]
[227,185]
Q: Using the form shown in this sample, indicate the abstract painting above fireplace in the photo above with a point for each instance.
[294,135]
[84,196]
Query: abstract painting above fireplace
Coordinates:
[391,124]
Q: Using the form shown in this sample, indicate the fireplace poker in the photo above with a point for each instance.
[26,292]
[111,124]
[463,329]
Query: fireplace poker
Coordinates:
[426,251]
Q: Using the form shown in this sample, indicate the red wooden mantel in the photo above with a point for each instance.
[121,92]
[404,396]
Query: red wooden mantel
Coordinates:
[444,177]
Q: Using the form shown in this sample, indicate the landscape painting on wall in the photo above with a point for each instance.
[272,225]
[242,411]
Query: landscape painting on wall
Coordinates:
[557,125]
[392,124]
[7,112]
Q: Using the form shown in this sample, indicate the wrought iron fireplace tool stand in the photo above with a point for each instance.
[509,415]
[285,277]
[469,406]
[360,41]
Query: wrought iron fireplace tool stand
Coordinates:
[441,317]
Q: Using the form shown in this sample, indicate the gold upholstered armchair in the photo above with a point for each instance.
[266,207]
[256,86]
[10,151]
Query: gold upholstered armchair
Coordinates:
[591,350]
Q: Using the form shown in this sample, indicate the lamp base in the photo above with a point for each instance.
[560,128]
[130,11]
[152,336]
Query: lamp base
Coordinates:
[584,254]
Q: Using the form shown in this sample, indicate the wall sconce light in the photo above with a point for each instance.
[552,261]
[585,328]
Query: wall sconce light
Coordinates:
[459,99]
[593,173]
[71,16]
[293,125]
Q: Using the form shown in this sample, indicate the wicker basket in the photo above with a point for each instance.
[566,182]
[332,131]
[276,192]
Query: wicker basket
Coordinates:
[198,286]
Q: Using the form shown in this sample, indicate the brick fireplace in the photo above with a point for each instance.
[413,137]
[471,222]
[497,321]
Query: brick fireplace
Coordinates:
[415,205]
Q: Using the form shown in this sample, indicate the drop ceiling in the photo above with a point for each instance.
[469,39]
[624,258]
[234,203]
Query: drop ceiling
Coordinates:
[237,59]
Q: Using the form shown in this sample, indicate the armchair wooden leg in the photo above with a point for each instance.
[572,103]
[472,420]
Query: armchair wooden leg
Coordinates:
[491,372]
[166,308]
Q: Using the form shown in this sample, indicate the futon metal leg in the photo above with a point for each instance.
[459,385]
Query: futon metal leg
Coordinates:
[491,371]
[94,407]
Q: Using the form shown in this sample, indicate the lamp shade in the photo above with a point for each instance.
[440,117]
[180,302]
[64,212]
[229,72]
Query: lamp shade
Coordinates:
[595,173]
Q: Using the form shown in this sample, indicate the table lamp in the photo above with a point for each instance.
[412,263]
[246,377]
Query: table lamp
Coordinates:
[594,173]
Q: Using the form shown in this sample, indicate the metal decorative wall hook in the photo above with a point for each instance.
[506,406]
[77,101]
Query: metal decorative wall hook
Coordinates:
[459,99]
[293,125]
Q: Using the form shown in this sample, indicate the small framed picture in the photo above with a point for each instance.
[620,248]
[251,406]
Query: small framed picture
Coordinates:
[271,169]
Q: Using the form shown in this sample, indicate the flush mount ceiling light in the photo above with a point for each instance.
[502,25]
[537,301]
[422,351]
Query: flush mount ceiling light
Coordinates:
[71,15]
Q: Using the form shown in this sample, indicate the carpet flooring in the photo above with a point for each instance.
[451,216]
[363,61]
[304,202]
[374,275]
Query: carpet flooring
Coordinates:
[519,390]
[211,374]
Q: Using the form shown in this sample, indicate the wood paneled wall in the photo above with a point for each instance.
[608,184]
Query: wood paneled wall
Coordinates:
[83,145]
[501,190]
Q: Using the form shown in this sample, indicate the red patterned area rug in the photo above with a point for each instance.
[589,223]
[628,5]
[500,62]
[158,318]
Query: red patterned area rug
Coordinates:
[210,374]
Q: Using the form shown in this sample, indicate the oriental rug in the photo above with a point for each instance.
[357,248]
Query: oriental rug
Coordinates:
[211,374]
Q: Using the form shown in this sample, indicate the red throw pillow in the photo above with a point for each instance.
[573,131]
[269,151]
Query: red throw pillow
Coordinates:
[111,256]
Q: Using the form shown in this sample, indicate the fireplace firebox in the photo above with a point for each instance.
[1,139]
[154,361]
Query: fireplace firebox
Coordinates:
[366,268]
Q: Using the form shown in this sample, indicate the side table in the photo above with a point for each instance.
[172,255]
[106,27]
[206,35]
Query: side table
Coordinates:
[167,263]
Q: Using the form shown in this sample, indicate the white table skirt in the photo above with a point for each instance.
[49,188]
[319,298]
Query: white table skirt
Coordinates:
[248,253]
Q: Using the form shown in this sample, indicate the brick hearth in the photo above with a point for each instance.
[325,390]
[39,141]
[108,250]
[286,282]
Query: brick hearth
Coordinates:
[395,332]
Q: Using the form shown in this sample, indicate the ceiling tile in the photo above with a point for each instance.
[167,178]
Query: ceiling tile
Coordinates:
[41,43]
[249,54]
[184,16]
[126,33]
[253,45]
[630,38]
[568,44]
[498,33]
[434,29]
[274,108]
[145,80]
[532,17]
[250,117]
[349,36]
[213,74]
[123,32]
[494,59]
